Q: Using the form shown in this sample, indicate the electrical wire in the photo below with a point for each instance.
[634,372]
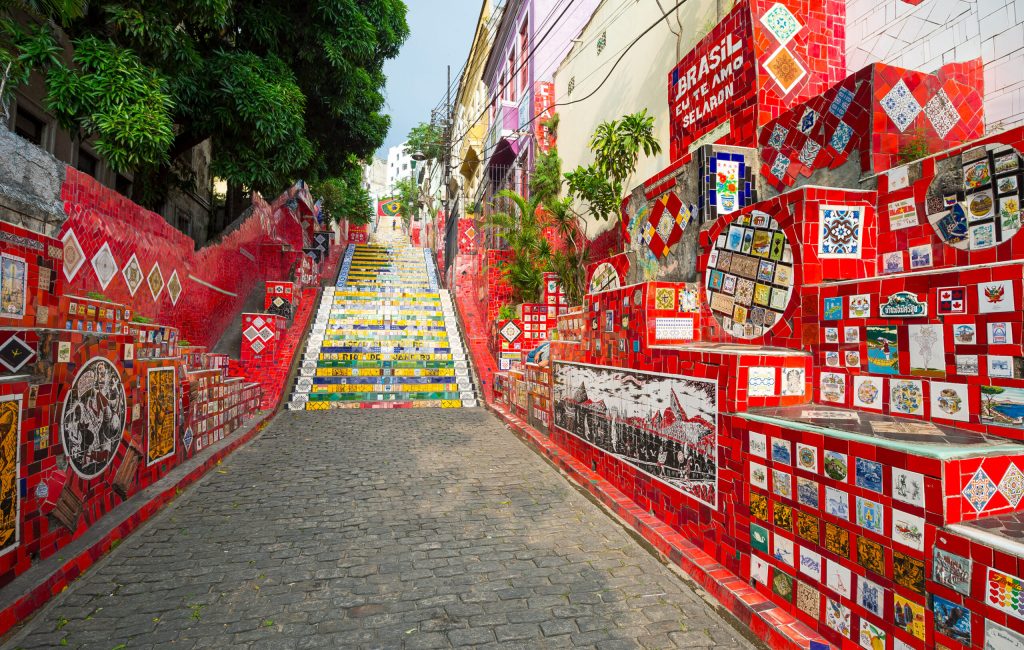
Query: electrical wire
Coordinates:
[622,55]
[611,19]
[454,86]
[513,77]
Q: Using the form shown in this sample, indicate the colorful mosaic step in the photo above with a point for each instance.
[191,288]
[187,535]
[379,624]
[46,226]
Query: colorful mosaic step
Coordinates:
[385,337]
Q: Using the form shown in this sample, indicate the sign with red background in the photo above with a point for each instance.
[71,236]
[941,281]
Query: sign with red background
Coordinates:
[715,83]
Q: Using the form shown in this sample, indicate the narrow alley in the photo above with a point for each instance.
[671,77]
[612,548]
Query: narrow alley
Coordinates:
[412,528]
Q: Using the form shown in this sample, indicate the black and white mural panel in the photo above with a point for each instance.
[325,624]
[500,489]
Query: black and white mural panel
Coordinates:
[663,425]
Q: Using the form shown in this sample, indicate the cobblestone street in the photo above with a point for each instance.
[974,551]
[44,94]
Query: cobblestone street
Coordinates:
[396,528]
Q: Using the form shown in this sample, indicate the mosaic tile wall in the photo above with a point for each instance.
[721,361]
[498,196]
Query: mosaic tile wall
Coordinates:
[832,406]
[873,115]
[925,36]
[130,255]
[119,311]
[65,461]
[858,421]
[758,61]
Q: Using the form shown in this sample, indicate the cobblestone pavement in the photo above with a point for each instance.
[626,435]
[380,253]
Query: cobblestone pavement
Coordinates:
[381,529]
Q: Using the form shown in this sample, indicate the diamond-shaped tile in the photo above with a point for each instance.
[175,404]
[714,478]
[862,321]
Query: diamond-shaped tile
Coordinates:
[1012,485]
[841,136]
[780,166]
[941,113]
[258,322]
[250,333]
[901,106]
[74,258]
[808,120]
[778,138]
[257,346]
[266,333]
[841,102]
[104,264]
[785,69]
[979,490]
[174,287]
[15,353]
[132,273]
[511,331]
[155,279]
[781,22]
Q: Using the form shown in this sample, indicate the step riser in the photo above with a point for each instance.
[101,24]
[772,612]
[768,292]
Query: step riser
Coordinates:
[385,337]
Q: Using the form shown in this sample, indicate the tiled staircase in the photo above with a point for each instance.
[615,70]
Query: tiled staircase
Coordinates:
[385,336]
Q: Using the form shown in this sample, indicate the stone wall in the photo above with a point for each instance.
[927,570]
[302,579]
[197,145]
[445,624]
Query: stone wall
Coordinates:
[30,182]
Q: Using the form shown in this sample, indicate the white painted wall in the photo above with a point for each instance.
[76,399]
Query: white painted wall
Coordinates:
[400,164]
[375,178]
[639,81]
[936,32]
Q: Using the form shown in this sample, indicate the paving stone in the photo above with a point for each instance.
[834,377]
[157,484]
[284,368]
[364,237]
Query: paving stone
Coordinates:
[414,528]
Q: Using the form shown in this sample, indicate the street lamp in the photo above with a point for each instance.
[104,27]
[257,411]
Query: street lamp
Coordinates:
[419,156]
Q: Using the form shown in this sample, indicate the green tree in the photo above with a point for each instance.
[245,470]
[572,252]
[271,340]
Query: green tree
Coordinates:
[408,193]
[595,190]
[522,228]
[989,393]
[344,197]
[616,145]
[426,138]
[282,89]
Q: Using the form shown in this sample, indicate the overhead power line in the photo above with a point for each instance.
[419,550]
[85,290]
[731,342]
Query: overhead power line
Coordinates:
[622,55]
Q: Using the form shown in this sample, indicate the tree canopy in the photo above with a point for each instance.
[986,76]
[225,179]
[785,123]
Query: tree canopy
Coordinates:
[426,138]
[345,197]
[284,89]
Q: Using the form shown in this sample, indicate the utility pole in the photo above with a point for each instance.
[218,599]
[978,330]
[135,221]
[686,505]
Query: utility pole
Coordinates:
[447,164]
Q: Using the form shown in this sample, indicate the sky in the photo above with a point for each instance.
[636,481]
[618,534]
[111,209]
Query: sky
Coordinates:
[441,32]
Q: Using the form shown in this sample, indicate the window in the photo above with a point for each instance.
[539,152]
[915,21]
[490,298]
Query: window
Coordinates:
[29,126]
[502,87]
[123,185]
[511,90]
[184,222]
[524,55]
[87,162]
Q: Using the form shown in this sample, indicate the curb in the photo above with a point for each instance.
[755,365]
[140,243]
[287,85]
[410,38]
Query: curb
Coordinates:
[121,524]
[767,621]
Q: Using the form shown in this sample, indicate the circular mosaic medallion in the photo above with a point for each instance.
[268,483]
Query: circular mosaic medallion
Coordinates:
[974,202]
[605,278]
[749,279]
[93,419]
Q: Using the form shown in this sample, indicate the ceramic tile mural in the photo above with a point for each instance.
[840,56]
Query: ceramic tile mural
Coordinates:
[865,346]
[663,426]
[975,204]
[775,54]
[10,471]
[99,401]
[879,99]
[749,279]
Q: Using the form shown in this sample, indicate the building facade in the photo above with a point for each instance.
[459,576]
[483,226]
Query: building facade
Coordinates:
[375,178]
[400,165]
[531,37]
[188,211]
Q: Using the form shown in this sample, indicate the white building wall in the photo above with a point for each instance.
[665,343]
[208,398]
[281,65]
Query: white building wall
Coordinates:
[936,32]
[639,81]
[400,165]
[375,178]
